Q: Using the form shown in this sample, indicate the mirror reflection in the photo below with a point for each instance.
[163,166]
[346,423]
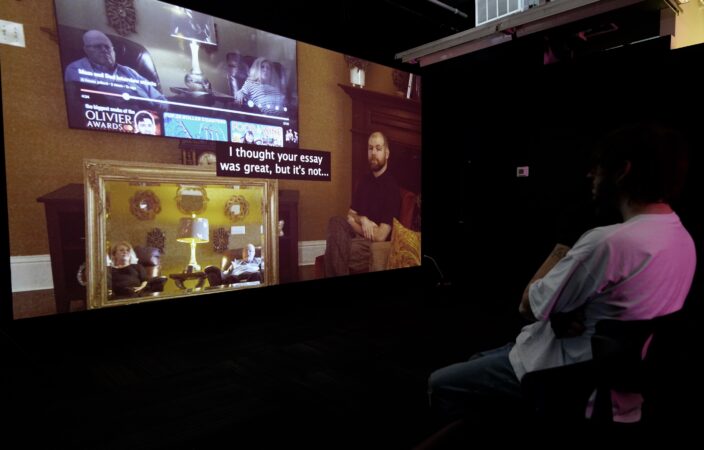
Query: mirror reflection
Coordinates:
[201,250]
[191,199]
[144,205]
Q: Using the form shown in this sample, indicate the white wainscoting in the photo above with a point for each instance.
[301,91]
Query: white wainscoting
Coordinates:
[31,273]
[308,250]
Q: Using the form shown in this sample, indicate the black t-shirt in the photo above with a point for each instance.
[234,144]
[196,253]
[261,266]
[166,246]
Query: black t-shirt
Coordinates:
[127,277]
[378,198]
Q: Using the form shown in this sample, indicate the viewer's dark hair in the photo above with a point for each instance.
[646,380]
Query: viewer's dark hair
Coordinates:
[658,157]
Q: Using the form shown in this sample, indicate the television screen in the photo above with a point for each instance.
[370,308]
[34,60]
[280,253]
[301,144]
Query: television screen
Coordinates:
[170,153]
[186,75]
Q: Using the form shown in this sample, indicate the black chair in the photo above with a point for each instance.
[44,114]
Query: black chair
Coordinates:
[561,394]
[218,277]
[214,275]
[127,52]
[556,399]
[150,259]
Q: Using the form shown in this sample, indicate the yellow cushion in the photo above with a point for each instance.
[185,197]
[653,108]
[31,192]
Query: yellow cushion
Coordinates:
[405,247]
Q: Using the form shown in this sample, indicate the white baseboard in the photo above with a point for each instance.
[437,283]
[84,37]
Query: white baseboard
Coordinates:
[30,273]
[308,250]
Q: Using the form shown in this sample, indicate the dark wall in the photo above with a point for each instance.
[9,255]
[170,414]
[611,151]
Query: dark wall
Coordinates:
[484,115]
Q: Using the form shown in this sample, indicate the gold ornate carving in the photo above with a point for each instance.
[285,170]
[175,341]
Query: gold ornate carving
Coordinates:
[157,238]
[191,200]
[353,61]
[236,208]
[221,239]
[122,16]
[92,170]
[145,205]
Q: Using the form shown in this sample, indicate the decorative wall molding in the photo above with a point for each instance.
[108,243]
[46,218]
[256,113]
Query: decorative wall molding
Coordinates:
[31,273]
[308,250]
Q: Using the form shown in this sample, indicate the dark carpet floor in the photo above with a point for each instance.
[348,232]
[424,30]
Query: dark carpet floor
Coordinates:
[319,374]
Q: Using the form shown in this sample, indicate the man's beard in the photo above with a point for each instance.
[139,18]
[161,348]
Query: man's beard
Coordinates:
[375,165]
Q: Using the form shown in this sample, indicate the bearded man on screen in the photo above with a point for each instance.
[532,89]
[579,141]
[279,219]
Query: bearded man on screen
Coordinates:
[375,202]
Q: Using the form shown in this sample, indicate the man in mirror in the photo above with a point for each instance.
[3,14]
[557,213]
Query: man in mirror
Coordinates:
[249,268]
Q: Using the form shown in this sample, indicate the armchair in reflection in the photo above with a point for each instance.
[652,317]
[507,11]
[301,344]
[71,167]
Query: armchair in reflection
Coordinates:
[249,269]
[135,271]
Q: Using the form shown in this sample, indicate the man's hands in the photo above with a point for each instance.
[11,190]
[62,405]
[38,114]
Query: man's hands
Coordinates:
[362,225]
[568,324]
[558,252]
[368,228]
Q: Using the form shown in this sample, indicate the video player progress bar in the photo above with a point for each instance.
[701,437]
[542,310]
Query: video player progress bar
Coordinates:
[125,96]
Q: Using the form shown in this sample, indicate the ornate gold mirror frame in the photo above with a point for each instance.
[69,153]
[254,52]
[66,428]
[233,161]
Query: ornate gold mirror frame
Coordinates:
[120,180]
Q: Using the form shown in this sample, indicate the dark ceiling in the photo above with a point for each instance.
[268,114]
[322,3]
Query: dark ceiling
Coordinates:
[371,29]
[379,29]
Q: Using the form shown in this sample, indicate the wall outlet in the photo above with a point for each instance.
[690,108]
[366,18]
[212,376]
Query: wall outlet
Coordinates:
[11,33]
[522,171]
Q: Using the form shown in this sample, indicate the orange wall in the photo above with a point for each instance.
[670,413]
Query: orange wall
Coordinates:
[42,154]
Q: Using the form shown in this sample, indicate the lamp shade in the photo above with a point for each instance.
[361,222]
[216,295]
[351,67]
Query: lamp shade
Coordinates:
[192,25]
[193,230]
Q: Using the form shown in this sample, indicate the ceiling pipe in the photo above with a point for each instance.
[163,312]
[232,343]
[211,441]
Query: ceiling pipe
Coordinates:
[450,8]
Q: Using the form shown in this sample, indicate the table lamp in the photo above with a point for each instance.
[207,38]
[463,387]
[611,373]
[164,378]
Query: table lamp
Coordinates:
[192,230]
[197,28]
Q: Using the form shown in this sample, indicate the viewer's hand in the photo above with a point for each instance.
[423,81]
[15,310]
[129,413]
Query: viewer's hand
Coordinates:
[568,324]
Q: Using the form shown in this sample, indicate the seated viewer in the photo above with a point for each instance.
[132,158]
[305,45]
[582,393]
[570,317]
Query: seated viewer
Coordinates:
[638,269]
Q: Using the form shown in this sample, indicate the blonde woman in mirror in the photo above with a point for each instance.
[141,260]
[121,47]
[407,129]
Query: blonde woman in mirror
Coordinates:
[126,277]
[260,89]
[249,268]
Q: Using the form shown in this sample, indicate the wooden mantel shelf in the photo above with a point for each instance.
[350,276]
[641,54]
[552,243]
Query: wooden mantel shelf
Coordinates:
[366,95]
